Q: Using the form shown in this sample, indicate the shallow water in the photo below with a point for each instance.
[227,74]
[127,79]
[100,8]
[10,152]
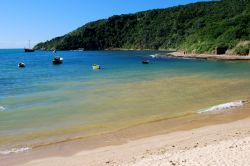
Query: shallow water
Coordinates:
[44,103]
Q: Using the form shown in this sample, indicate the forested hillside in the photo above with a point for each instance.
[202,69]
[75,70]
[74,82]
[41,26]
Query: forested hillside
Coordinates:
[198,27]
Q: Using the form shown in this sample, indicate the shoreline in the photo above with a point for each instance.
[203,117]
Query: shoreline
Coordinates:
[123,138]
[203,56]
[163,149]
[152,128]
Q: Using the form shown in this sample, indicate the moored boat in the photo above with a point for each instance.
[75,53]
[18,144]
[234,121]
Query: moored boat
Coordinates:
[145,62]
[96,67]
[21,65]
[28,50]
[57,60]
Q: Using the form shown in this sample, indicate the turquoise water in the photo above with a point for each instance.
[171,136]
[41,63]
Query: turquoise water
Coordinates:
[47,103]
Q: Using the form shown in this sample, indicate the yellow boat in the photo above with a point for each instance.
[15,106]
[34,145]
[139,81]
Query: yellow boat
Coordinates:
[96,67]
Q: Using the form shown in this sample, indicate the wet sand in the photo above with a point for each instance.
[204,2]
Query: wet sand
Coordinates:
[140,144]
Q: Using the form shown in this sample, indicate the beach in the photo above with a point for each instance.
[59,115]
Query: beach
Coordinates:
[207,139]
[222,144]
[125,84]
[73,115]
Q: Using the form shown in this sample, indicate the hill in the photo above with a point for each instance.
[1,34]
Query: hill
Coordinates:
[199,27]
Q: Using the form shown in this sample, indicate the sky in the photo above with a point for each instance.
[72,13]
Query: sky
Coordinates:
[41,20]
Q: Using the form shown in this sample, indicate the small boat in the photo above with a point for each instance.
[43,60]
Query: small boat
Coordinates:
[145,62]
[57,60]
[21,65]
[29,49]
[96,67]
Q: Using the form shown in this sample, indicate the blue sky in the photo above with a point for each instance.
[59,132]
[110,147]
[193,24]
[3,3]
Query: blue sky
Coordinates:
[41,20]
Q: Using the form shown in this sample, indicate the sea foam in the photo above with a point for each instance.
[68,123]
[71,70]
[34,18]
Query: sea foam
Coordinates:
[15,150]
[223,107]
[2,109]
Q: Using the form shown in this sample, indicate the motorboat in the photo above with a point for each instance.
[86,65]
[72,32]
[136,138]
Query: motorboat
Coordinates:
[57,60]
[21,65]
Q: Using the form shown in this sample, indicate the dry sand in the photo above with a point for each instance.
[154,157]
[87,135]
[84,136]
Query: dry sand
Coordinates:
[223,144]
[230,152]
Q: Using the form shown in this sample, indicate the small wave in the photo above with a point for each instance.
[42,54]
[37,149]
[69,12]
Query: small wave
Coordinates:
[2,108]
[224,106]
[15,150]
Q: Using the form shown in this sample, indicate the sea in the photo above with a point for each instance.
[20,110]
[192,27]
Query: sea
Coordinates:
[45,103]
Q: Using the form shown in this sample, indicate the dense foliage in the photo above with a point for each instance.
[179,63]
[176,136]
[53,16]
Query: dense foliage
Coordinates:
[198,27]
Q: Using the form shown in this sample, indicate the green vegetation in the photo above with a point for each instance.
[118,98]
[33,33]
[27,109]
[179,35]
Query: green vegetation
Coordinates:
[199,27]
[242,48]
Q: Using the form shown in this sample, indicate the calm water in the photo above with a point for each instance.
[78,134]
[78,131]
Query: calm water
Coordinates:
[47,103]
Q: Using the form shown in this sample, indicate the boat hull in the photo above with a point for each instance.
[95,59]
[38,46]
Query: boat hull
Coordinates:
[21,65]
[57,62]
[28,50]
[145,62]
[96,67]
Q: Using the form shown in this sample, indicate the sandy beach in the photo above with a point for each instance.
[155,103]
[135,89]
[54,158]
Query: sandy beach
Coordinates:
[203,56]
[133,83]
[221,144]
